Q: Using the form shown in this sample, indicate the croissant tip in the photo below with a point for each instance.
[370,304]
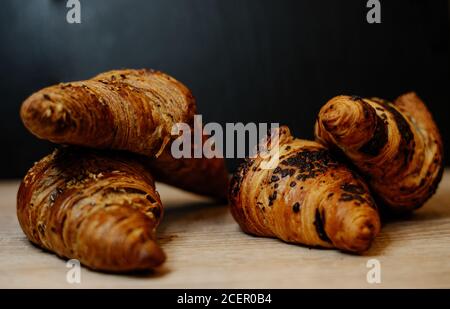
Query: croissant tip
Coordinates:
[53,118]
[150,255]
[362,234]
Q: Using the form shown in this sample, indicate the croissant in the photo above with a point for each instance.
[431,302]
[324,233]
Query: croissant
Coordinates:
[396,146]
[133,110]
[308,198]
[101,209]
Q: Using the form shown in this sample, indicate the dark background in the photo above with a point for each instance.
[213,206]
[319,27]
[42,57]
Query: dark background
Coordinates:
[244,60]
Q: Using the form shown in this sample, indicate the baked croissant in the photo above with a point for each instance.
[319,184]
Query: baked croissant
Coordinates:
[101,209]
[133,110]
[396,146]
[308,198]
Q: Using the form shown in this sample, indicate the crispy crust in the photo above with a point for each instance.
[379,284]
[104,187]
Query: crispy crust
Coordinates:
[401,155]
[99,208]
[309,198]
[130,110]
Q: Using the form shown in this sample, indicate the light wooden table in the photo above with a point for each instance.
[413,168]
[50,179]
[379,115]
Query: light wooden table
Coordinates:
[206,249]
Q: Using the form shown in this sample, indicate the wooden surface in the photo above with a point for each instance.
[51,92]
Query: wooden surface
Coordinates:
[206,249]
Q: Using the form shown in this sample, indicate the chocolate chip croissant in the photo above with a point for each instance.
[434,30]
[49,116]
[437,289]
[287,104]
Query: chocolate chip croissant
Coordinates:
[308,198]
[396,146]
[101,209]
[133,110]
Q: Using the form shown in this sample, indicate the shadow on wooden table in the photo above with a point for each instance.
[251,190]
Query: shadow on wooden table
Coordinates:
[140,274]
[436,211]
[190,213]
[437,208]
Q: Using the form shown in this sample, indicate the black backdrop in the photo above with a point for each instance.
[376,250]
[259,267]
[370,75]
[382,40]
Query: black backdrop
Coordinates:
[245,60]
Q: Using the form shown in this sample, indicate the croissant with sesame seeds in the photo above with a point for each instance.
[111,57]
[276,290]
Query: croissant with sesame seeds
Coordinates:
[100,208]
[396,146]
[307,198]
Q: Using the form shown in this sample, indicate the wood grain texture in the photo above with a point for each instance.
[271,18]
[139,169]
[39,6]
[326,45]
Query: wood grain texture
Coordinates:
[206,249]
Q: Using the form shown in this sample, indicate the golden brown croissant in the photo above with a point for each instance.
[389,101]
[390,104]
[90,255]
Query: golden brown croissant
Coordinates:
[309,198]
[101,209]
[132,110]
[397,146]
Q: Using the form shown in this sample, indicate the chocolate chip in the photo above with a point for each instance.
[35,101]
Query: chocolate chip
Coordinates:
[284,173]
[352,188]
[272,198]
[319,223]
